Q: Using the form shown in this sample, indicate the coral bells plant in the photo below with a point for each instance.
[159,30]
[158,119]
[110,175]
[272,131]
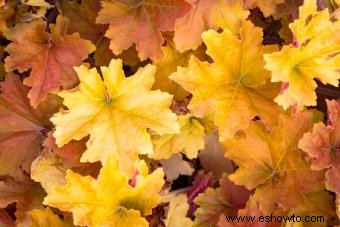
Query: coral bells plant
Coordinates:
[171,113]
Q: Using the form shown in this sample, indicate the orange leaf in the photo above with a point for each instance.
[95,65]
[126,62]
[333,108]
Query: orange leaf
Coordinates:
[141,23]
[206,14]
[50,56]
[271,163]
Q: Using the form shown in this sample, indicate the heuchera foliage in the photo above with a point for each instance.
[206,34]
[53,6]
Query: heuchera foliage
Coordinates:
[171,113]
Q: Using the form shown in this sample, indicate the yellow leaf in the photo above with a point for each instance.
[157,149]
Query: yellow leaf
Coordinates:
[314,55]
[232,86]
[178,209]
[310,22]
[46,218]
[115,112]
[109,200]
[188,141]
[48,169]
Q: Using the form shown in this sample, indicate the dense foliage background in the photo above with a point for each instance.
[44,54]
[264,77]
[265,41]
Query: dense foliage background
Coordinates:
[169,113]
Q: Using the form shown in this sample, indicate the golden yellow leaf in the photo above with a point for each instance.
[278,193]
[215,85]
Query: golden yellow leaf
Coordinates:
[314,55]
[109,200]
[115,112]
[46,218]
[232,87]
[178,209]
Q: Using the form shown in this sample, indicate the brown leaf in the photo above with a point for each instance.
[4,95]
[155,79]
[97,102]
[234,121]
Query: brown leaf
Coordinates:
[212,157]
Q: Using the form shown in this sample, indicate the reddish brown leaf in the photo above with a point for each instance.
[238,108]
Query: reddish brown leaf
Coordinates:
[25,193]
[70,155]
[238,195]
[202,182]
[5,219]
[20,128]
